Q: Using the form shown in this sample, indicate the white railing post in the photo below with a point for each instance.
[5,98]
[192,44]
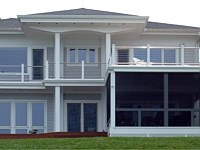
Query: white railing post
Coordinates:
[82,70]
[47,70]
[182,54]
[148,54]
[113,55]
[22,72]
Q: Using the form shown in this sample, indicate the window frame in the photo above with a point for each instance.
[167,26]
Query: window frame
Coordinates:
[13,127]
[88,63]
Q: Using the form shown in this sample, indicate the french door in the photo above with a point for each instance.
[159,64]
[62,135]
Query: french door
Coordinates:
[81,117]
[38,64]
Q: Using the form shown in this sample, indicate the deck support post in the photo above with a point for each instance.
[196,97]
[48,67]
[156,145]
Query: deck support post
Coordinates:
[112,100]
[57,109]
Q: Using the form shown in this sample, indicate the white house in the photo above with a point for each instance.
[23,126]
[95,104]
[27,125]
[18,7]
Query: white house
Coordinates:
[87,70]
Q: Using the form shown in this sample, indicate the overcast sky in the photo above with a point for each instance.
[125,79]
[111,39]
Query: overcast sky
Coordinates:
[183,12]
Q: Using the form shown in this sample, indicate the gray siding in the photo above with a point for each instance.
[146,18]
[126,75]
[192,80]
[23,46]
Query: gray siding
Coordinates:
[82,96]
[50,58]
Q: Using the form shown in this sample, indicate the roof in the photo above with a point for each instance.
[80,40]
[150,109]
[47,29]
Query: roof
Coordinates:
[10,23]
[157,25]
[82,11]
[15,23]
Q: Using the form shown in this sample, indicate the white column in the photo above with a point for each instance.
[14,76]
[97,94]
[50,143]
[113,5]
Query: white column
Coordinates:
[148,54]
[22,72]
[57,109]
[57,56]
[182,54]
[108,47]
[47,70]
[113,54]
[82,69]
[112,100]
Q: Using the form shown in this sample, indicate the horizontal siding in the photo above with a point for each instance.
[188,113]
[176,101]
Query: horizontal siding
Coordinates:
[82,96]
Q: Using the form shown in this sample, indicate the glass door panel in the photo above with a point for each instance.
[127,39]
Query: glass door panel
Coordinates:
[38,64]
[21,114]
[74,117]
[90,117]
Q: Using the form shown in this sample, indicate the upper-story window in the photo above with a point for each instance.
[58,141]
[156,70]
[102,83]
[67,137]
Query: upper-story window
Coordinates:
[11,59]
[77,55]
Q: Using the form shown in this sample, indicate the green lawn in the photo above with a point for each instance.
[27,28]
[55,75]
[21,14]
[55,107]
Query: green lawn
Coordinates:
[102,143]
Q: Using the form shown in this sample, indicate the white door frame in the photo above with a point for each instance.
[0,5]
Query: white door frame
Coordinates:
[82,112]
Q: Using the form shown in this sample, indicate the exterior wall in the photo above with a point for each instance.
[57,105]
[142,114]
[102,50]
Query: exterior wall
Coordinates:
[154,40]
[33,96]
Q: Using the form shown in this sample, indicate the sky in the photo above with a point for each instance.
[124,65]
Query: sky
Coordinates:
[182,12]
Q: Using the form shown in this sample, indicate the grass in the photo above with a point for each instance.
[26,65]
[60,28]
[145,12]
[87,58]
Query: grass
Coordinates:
[102,143]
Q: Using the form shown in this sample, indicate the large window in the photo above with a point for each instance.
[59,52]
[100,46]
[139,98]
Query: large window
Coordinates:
[26,115]
[12,58]
[77,55]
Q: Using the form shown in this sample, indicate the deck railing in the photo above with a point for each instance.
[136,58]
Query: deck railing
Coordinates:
[155,55]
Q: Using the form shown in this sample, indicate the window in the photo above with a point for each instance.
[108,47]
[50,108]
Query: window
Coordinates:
[77,55]
[13,57]
[72,55]
[140,53]
[20,119]
[81,55]
[92,56]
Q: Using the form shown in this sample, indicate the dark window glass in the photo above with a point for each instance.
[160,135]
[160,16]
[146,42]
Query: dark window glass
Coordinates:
[126,118]
[152,118]
[123,55]
[37,114]
[38,60]
[179,118]
[90,117]
[14,57]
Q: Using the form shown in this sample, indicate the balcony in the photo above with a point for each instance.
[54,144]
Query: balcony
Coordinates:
[22,73]
[152,56]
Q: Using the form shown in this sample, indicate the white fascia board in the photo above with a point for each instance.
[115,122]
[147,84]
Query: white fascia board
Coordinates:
[11,32]
[83,19]
[20,85]
[75,82]
[170,32]
[129,68]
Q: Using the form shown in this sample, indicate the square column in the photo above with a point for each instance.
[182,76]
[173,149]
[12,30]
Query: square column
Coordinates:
[57,56]
[57,127]
[112,100]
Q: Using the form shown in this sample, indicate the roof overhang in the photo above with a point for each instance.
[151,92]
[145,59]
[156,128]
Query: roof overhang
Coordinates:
[83,18]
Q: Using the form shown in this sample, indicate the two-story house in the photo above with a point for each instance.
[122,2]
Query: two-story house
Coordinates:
[87,70]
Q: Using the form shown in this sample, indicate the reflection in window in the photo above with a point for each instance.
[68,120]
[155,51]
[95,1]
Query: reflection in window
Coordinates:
[81,55]
[91,56]
[5,114]
[37,114]
[72,55]
[140,53]
[155,55]
[169,56]
[18,57]
[126,118]
[21,131]
[21,114]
